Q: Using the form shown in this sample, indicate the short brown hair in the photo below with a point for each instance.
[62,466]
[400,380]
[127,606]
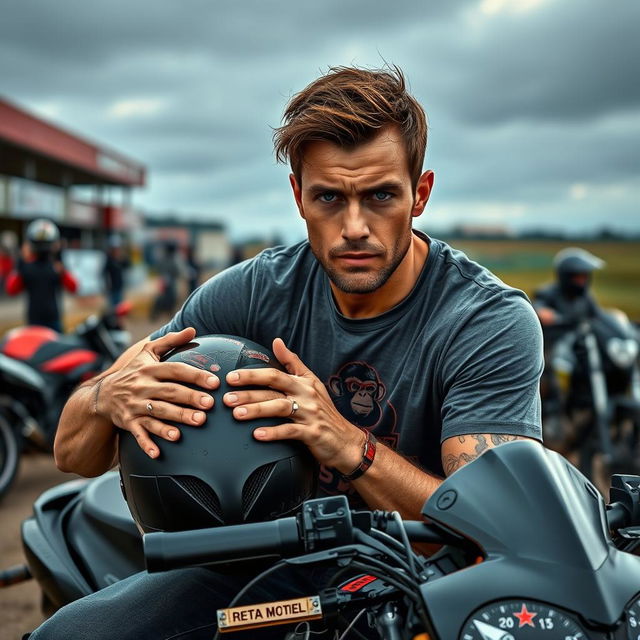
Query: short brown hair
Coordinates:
[348,106]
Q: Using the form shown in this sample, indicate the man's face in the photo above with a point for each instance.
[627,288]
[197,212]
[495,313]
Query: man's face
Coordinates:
[580,279]
[358,205]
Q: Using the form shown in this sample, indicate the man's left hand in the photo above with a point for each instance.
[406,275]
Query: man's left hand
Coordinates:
[332,440]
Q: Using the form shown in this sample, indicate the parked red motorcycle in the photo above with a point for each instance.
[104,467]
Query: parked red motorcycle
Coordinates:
[39,369]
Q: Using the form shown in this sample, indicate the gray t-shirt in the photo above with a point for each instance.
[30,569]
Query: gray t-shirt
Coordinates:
[462,353]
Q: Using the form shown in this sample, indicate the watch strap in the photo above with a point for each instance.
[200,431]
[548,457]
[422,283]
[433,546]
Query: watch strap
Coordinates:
[368,455]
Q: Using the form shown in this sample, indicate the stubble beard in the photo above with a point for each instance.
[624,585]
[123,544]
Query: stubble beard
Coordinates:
[361,279]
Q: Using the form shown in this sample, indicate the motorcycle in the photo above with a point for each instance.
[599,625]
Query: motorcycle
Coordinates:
[39,369]
[591,404]
[531,552]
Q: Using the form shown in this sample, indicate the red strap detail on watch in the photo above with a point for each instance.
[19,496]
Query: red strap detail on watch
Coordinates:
[368,454]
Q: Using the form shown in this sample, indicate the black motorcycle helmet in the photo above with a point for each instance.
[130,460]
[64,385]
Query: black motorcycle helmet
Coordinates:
[574,268]
[218,473]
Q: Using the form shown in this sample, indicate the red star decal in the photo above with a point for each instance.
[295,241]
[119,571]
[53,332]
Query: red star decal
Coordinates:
[525,616]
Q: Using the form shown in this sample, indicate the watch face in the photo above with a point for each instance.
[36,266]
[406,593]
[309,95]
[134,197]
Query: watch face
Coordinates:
[521,620]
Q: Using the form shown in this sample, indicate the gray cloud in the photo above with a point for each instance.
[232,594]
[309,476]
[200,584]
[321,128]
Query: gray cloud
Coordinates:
[523,106]
[565,62]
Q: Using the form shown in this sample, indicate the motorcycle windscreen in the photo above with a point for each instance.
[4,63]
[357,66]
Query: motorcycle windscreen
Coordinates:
[520,499]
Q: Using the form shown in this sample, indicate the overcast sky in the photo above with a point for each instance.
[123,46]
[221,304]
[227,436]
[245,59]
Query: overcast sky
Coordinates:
[533,105]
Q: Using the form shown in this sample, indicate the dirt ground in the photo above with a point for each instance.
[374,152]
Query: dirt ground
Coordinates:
[20,604]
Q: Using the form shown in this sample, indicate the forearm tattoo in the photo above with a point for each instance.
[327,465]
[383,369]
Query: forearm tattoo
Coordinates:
[453,462]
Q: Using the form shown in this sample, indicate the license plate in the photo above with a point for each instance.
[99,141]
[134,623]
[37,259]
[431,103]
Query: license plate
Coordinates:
[269,613]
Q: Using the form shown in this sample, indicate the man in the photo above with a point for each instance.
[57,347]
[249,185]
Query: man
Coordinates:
[170,268]
[116,264]
[560,306]
[381,329]
[41,275]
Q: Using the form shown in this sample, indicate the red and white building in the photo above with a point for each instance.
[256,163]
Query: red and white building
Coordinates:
[41,164]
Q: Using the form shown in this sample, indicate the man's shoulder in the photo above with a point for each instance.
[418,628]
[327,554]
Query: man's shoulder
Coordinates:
[285,253]
[281,261]
[278,265]
[469,277]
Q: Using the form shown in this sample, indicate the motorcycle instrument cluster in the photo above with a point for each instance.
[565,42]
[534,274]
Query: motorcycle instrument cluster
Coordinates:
[521,620]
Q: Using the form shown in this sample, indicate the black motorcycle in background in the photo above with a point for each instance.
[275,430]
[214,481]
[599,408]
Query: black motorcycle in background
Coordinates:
[531,552]
[591,391]
[39,368]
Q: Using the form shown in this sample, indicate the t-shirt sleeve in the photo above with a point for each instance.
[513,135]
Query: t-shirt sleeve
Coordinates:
[220,305]
[491,371]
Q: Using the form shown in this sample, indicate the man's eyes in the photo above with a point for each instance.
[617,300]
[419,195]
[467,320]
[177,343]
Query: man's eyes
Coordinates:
[330,197]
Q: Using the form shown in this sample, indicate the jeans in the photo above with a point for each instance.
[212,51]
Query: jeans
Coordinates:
[174,605]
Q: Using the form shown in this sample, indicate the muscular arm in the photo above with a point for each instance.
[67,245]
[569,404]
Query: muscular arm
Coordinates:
[393,483]
[459,450]
[85,441]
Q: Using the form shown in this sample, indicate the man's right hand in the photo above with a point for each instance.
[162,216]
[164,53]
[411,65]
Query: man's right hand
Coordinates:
[145,394]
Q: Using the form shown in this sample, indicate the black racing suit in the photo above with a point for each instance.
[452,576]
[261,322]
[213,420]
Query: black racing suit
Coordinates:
[43,284]
[570,310]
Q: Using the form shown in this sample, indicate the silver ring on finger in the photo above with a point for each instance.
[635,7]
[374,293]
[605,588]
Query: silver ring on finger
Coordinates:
[294,407]
[149,407]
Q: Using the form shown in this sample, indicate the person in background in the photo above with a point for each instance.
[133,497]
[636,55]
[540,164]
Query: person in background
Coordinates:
[193,269]
[41,275]
[568,298]
[170,269]
[6,265]
[560,307]
[115,269]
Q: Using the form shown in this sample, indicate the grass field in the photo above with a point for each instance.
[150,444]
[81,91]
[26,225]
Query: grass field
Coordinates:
[526,264]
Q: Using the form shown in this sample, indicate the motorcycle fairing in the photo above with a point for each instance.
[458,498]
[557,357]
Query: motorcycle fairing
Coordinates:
[81,538]
[567,558]
[102,534]
[44,544]
[17,373]
[70,360]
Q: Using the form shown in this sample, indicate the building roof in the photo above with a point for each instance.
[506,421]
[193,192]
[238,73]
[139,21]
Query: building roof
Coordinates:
[61,158]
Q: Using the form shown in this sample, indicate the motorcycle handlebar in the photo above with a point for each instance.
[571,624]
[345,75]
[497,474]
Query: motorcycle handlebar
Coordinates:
[164,551]
[285,537]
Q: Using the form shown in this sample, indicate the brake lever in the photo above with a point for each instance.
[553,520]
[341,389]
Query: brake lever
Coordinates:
[342,556]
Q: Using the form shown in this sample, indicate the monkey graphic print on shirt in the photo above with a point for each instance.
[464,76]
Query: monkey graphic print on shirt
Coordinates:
[359,395]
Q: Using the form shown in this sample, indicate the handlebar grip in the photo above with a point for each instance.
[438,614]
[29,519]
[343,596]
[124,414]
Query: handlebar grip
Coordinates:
[164,550]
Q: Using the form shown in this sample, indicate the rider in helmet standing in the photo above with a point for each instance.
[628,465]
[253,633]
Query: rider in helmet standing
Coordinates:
[41,275]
